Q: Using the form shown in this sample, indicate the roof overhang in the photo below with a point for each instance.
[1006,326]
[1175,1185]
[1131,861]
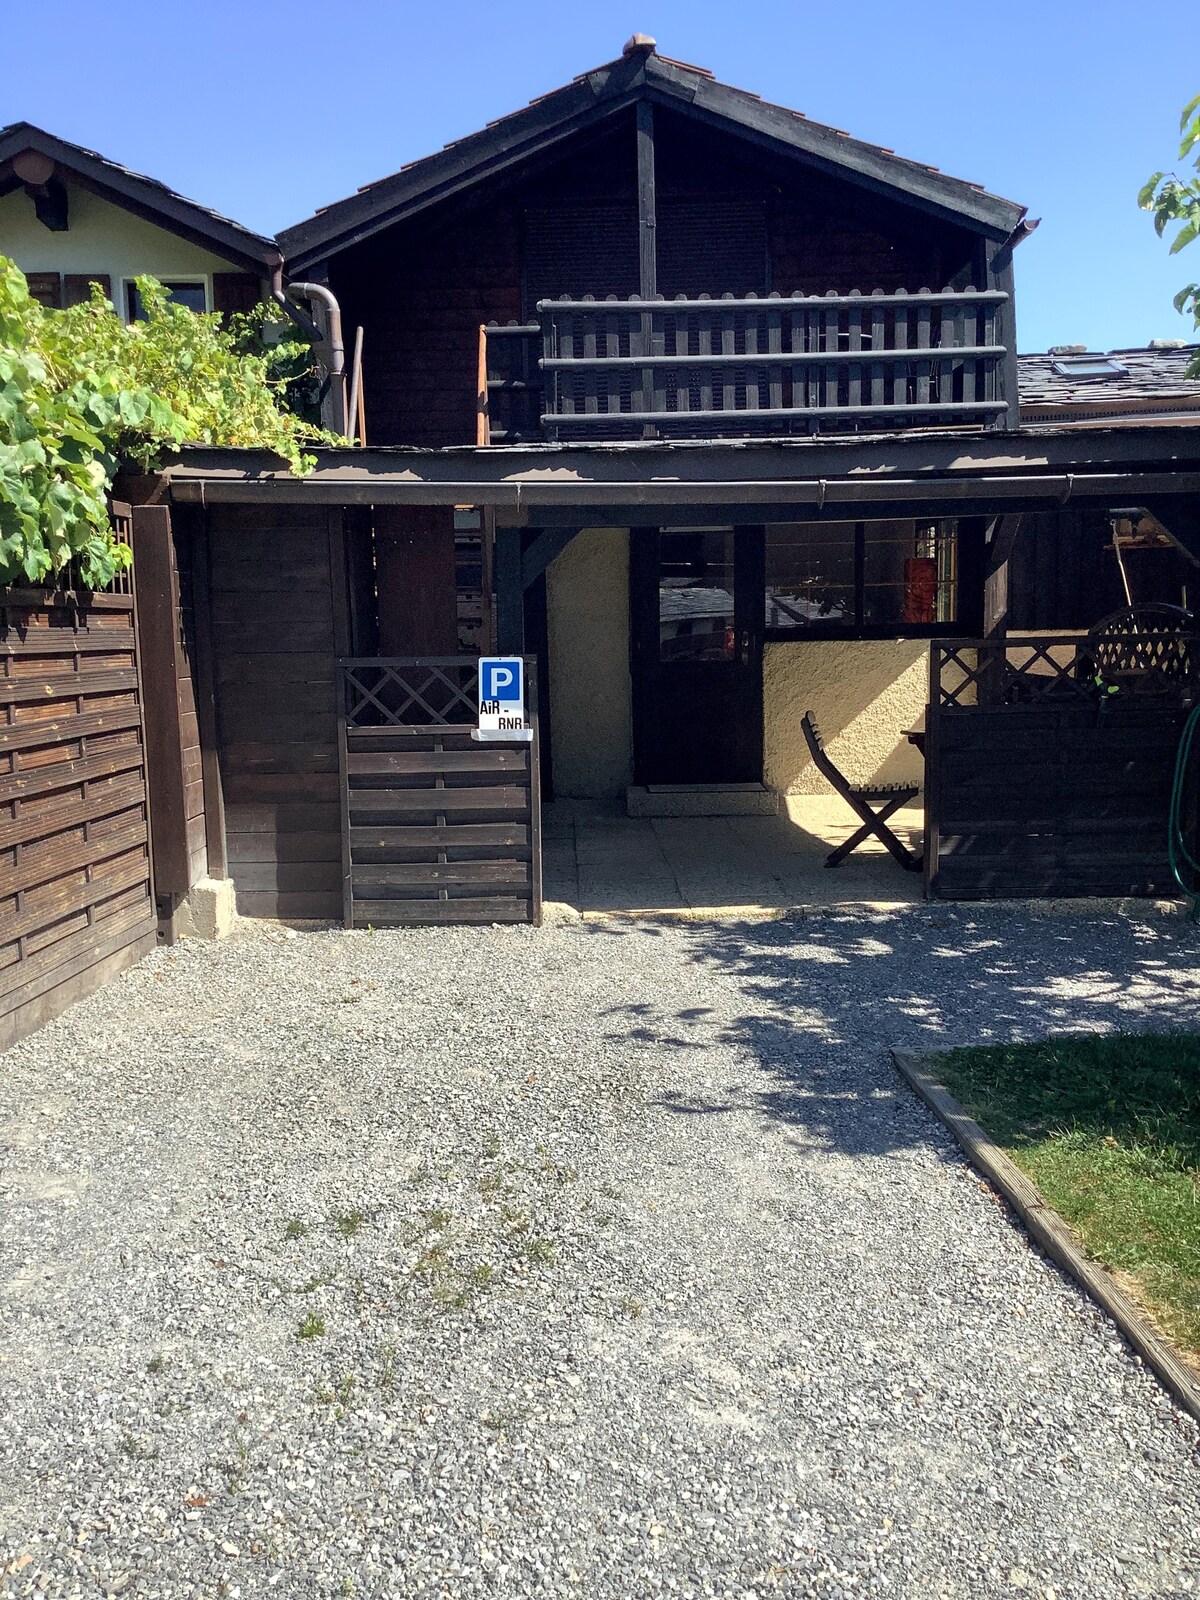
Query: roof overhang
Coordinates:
[596,96]
[751,481]
[143,197]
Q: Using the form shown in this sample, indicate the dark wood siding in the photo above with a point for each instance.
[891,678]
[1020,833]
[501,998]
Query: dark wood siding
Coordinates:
[278,589]
[732,218]
[1063,572]
[75,891]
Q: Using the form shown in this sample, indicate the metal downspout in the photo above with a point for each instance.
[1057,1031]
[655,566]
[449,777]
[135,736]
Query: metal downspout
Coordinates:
[330,340]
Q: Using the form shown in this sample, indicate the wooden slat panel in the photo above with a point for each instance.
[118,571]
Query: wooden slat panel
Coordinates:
[380,802]
[406,876]
[419,762]
[404,913]
[61,729]
[75,902]
[62,685]
[461,834]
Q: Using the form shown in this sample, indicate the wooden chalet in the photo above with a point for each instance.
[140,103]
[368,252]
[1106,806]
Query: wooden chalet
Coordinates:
[715,414]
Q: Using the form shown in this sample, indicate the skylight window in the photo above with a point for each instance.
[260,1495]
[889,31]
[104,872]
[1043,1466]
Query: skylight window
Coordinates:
[1088,367]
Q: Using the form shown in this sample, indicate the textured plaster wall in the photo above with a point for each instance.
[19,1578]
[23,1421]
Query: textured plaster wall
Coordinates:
[587,592]
[864,693]
[101,237]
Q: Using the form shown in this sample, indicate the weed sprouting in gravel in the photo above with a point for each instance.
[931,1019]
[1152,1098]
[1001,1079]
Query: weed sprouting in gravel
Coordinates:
[295,1229]
[631,1307]
[312,1327]
[137,1449]
[157,1364]
[539,1252]
[349,1222]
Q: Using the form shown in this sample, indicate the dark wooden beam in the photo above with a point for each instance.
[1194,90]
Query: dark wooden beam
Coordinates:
[510,595]
[1003,537]
[160,647]
[1004,533]
[206,701]
[647,205]
[1180,519]
[543,550]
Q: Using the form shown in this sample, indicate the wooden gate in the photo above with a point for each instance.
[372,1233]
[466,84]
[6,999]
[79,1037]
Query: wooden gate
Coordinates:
[76,902]
[436,828]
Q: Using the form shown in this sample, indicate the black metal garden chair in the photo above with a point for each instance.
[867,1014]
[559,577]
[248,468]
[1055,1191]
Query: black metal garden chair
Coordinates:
[874,803]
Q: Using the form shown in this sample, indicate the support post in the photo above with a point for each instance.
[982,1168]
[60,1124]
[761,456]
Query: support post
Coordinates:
[1004,531]
[206,702]
[1000,276]
[647,244]
[510,594]
[160,650]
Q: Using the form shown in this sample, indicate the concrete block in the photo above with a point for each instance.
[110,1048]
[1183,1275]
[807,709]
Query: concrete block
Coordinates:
[209,910]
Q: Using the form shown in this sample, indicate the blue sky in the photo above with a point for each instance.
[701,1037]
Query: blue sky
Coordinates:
[267,111]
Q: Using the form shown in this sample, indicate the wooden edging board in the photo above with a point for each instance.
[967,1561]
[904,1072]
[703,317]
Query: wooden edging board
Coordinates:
[1050,1232]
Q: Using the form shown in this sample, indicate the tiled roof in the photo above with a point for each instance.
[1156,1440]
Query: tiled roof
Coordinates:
[147,193]
[1146,377]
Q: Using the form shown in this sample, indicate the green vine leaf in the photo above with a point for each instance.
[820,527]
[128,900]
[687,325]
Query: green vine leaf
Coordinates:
[83,394]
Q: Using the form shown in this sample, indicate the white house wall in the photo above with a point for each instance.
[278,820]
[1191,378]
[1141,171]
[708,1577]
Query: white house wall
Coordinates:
[101,238]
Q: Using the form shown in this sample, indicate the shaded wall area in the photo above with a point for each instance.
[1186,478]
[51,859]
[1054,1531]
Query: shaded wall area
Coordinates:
[587,595]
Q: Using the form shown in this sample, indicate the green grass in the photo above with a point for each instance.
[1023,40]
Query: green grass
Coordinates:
[1109,1130]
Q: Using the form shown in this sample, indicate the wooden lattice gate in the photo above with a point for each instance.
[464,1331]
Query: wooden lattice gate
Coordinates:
[436,828]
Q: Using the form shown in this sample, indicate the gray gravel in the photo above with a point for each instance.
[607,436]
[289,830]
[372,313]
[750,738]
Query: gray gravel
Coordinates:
[625,1264]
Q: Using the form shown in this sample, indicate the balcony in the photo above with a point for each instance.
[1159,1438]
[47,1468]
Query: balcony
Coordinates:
[719,368]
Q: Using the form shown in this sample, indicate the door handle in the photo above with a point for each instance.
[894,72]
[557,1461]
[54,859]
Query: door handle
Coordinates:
[745,647]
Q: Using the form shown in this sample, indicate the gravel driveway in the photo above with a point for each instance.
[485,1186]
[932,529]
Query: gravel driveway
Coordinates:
[603,1260]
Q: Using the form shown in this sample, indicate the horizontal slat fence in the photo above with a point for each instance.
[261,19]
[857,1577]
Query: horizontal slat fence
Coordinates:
[76,902]
[437,828]
[1049,772]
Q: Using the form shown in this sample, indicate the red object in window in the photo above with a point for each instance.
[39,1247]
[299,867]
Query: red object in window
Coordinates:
[920,589]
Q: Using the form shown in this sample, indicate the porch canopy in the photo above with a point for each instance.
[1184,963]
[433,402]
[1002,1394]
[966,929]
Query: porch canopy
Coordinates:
[538,496]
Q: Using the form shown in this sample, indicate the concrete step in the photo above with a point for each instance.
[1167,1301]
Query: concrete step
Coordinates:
[702,800]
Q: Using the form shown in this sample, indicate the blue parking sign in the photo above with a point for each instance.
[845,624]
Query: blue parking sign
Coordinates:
[500,678]
[502,699]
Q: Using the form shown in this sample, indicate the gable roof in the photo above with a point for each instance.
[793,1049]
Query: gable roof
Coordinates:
[595,96]
[134,192]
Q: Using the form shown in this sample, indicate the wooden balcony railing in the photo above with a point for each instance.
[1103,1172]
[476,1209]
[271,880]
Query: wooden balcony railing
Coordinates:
[704,368]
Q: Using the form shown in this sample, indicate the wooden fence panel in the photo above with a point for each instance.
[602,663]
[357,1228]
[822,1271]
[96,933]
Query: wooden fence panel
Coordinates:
[437,828]
[76,901]
[1040,784]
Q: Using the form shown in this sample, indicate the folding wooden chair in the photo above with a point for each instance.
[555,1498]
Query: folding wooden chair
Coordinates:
[863,800]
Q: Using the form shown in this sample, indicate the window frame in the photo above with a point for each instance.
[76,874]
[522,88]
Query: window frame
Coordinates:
[859,630]
[202,278]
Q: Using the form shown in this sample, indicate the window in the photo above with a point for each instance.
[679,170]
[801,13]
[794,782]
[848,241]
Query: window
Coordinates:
[1089,367]
[695,595]
[864,577]
[189,292]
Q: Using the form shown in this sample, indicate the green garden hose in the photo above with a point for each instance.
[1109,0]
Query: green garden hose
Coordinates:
[1178,853]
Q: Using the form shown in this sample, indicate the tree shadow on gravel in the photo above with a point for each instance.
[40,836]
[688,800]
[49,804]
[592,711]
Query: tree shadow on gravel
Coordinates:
[822,1000]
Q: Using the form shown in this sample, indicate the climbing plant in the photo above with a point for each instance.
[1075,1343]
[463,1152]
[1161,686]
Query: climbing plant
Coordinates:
[1175,199]
[83,394]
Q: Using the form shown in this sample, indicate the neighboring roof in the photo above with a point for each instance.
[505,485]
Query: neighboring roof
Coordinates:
[1064,383]
[145,197]
[595,96]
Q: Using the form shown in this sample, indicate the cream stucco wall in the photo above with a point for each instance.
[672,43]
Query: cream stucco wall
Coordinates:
[587,595]
[101,237]
[863,693]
